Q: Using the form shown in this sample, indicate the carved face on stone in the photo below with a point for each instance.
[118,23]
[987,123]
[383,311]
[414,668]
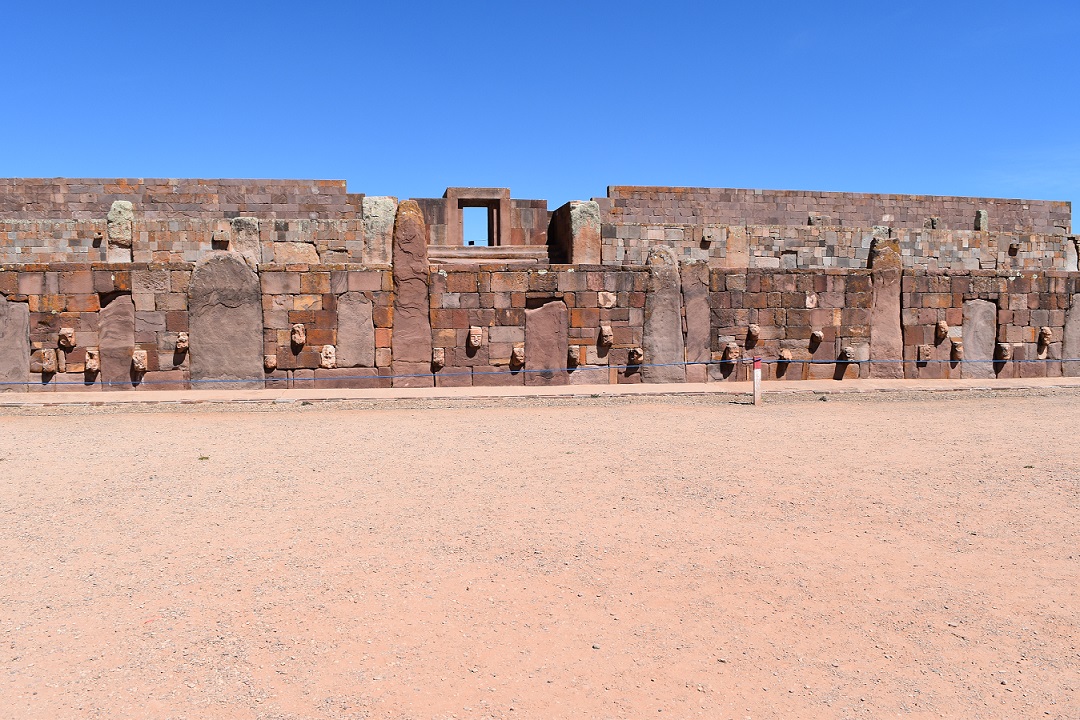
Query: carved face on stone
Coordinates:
[1003,351]
[785,356]
[924,353]
[517,356]
[753,332]
[1046,335]
[298,334]
[941,330]
[816,337]
[476,337]
[48,361]
[92,363]
[182,342]
[572,359]
[328,356]
[67,338]
[138,361]
[957,352]
[637,356]
[731,352]
[270,362]
[847,354]
[607,335]
[438,357]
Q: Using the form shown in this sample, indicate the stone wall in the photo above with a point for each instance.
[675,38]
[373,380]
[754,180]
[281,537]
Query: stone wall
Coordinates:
[822,247]
[638,205]
[87,199]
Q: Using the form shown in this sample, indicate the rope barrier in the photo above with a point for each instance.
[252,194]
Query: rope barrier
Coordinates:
[580,368]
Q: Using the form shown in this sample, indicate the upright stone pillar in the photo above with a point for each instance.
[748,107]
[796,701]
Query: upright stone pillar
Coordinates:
[225,323]
[576,233]
[662,337]
[379,214]
[14,346]
[116,340]
[245,240]
[695,296]
[980,336]
[886,334]
[410,341]
[546,344]
[119,225]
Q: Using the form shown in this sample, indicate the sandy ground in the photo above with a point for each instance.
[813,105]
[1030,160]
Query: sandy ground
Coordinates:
[666,557]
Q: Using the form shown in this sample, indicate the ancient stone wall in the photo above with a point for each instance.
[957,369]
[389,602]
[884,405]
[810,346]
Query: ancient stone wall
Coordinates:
[135,298]
[638,205]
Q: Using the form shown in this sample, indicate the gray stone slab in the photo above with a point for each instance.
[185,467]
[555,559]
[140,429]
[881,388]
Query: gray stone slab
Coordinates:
[14,345]
[116,338]
[1070,344]
[980,336]
[356,331]
[662,338]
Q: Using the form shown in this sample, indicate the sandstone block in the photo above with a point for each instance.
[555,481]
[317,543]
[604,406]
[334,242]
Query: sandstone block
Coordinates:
[116,340]
[379,215]
[411,339]
[979,338]
[356,331]
[225,323]
[546,344]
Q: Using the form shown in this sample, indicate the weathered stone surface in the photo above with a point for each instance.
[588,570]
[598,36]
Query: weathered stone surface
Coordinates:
[356,332]
[118,223]
[379,214]
[662,340]
[138,361]
[295,253]
[116,343]
[411,340]
[245,240]
[14,345]
[886,334]
[298,335]
[1070,348]
[585,232]
[67,338]
[546,344]
[695,294]
[92,363]
[980,338]
[225,323]
[884,253]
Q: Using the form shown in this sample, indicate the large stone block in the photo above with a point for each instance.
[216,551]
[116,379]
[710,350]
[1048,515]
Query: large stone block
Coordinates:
[379,215]
[546,344]
[411,340]
[886,336]
[356,332]
[116,333]
[225,323]
[14,345]
[1070,345]
[245,240]
[980,338]
[695,294]
[662,338]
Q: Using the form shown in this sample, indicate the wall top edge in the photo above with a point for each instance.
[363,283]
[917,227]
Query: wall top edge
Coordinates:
[620,190]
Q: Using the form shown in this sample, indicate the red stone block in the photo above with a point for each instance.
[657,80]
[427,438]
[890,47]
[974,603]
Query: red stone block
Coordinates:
[454,376]
[489,376]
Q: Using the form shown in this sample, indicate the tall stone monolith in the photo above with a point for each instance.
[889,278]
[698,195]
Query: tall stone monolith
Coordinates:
[546,344]
[662,338]
[886,334]
[14,345]
[225,334]
[356,331]
[411,340]
[980,336]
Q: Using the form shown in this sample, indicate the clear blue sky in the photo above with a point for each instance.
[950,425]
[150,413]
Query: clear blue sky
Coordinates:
[554,100]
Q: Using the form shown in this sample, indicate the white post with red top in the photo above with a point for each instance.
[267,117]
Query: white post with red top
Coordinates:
[757,381]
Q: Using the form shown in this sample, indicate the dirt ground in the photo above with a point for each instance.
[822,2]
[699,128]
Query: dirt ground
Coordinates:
[668,557]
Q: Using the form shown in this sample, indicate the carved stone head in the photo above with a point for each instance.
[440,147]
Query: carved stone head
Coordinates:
[298,334]
[67,338]
[607,335]
[941,330]
[48,361]
[1046,335]
[517,356]
[138,361]
[476,337]
[1003,351]
[636,357]
[957,352]
[816,338]
[182,342]
[270,362]
[731,352]
[847,354]
[438,358]
[328,356]
[784,356]
[92,364]
[753,332]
